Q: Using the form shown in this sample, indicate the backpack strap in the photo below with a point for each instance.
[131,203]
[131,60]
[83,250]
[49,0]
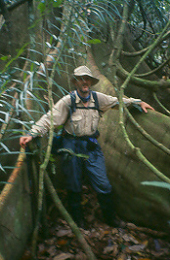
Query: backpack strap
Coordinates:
[96,100]
[73,102]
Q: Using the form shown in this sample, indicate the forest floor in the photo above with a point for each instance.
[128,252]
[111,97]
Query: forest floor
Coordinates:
[129,243]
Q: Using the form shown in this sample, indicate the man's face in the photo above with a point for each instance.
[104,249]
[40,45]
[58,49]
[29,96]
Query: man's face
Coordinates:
[83,84]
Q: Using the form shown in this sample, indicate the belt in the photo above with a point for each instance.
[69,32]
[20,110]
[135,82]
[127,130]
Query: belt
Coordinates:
[83,137]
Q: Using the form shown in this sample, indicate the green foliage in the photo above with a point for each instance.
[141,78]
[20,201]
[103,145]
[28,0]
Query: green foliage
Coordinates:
[4,58]
[159,184]
[45,4]
[19,53]
[31,85]
[42,7]
[5,182]
[147,20]
[1,168]
[71,153]
[94,41]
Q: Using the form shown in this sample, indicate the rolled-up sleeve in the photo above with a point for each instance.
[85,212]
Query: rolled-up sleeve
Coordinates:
[60,115]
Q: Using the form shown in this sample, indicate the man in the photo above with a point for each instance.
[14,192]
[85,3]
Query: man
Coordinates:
[79,134]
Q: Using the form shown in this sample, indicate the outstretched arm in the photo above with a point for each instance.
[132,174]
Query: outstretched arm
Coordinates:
[145,106]
[60,115]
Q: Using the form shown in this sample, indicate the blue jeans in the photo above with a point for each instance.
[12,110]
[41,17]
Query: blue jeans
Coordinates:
[94,167]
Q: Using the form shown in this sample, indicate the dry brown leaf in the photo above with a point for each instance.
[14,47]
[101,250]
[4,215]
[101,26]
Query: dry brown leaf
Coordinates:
[64,232]
[144,259]
[50,241]
[115,250]
[80,256]
[103,233]
[63,256]
[62,242]
[130,238]
[52,250]
[114,231]
[135,248]
[108,249]
[122,257]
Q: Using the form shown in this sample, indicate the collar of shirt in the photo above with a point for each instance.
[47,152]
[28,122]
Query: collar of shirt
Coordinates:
[78,100]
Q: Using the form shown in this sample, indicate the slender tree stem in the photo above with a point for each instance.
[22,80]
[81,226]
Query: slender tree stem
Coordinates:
[157,100]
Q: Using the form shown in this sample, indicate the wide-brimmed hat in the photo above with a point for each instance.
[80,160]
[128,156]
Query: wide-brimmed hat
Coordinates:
[84,71]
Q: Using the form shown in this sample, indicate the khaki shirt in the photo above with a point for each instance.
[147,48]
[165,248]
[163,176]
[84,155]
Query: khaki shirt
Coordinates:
[82,121]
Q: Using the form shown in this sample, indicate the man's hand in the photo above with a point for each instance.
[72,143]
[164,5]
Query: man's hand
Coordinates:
[145,106]
[24,140]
